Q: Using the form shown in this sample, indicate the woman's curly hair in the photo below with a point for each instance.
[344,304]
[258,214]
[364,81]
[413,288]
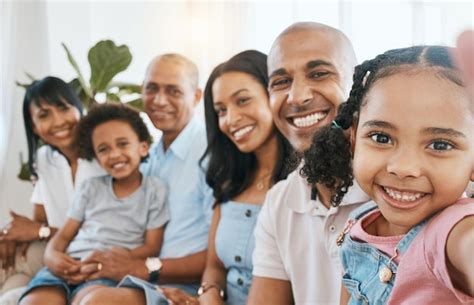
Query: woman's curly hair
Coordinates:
[102,113]
[328,161]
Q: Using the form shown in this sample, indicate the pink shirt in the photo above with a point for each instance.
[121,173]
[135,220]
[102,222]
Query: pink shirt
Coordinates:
[422,275]
[385,244]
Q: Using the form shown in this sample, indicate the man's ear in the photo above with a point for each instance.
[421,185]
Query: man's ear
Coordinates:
[197,96]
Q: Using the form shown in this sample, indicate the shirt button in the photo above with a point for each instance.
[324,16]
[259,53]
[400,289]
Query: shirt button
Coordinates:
[248,213]
[240,281]
[238,259]
[332,228]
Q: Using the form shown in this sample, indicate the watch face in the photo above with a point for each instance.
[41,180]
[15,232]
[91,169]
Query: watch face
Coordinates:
[44,232]
[153,264]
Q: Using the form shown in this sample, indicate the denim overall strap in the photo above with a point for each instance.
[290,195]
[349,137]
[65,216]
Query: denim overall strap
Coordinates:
[363,210]
[405,242]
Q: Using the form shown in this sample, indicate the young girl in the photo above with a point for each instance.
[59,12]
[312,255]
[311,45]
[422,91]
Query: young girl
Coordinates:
[412,140]
[245,156]
[123,209]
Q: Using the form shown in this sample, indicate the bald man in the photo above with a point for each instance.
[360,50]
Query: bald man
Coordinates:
[170,93]
[296,260]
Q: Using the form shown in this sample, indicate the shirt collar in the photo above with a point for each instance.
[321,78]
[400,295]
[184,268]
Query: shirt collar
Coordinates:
[180,146]
[299,199]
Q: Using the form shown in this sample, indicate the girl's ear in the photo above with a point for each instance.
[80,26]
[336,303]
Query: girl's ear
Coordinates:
[352,137]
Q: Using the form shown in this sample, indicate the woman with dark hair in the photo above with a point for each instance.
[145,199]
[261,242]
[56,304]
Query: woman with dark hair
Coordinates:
[244,158]
[51,112]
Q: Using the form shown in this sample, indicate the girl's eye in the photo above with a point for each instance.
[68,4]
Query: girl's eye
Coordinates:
[440,145]
[380,138]
[122,144]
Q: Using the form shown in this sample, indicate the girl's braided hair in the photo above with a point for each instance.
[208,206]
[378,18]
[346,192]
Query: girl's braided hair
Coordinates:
[328,161]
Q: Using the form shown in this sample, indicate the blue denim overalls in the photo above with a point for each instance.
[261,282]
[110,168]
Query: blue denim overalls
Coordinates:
[362,262]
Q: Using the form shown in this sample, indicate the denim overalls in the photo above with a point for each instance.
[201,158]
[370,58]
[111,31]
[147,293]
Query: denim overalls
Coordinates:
[362,263]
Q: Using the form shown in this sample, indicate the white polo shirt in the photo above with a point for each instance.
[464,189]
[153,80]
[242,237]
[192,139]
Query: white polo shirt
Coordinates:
[55,187]
[296,240]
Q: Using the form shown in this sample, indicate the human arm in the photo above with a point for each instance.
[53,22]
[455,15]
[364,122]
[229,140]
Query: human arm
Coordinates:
[118,262]
[215,271]
[270,284]
[270,291]
[459,247]
[23,229]
[345,296]
[152,244]
[464,57]
[19,233]
[55,258]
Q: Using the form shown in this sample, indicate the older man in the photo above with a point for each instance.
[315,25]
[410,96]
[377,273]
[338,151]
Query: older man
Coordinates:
[310,67]
[170,93]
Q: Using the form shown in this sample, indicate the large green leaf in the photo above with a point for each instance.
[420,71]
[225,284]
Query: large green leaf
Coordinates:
[107,60]
[78,71]
[79,90]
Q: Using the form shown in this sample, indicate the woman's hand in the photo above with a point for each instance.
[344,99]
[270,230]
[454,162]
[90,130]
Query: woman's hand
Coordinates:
[7,254]
[176,296]
[20,229]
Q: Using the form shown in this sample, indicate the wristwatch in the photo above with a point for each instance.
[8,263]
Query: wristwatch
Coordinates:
[153,265]
[44,232]
[205,287]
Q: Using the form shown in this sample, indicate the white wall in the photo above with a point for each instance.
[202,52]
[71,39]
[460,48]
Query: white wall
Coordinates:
[207,32]
[23,28]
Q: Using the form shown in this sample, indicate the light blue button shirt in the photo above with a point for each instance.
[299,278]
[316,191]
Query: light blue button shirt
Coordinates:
[189,197]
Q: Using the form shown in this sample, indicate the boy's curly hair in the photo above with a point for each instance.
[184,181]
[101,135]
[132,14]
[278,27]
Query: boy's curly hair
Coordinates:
[329,160]
[102,113]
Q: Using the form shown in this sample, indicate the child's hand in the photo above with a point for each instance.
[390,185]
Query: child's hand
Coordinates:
[62,265]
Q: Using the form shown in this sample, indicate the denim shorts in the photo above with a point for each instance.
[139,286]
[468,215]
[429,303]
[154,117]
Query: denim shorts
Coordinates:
[45,278]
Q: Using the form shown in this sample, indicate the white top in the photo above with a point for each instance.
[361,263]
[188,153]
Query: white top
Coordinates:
[296,240]
[55,187]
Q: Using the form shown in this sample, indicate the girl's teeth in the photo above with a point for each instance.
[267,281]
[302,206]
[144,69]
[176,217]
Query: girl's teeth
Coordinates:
[403,196]
[309,120]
